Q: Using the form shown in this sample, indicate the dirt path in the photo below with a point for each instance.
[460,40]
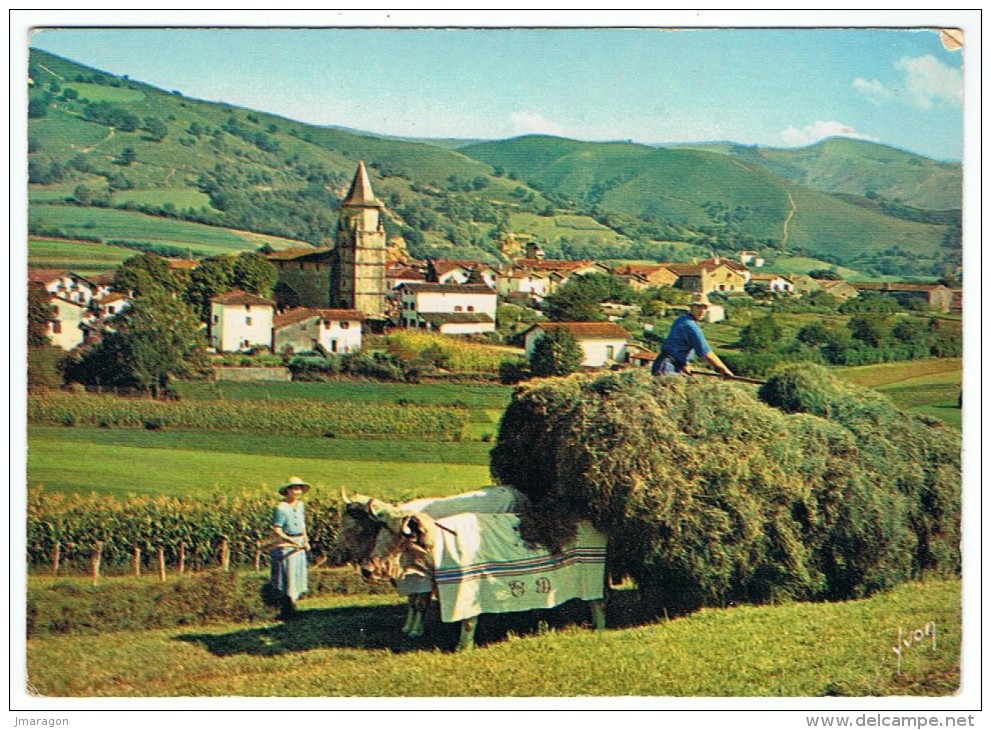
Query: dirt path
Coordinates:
[105,139]
[791,214]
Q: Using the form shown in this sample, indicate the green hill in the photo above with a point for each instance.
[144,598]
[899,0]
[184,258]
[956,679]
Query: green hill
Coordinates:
[102,146]
[720,197]
[856,167]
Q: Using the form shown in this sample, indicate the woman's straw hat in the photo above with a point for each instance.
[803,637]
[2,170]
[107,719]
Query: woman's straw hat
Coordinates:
[294,482]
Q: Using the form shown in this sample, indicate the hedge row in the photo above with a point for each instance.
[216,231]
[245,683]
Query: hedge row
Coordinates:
[443,423]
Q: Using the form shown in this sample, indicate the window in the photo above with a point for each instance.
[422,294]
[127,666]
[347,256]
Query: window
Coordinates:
[247,307]
[471,308]
[326,324]
[458,308]
[216,318]
[610,352]
[345,325]
[247,321]
[57,326]
[333,345]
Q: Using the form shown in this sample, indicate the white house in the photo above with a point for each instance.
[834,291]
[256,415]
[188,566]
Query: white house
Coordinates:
[751,258]
[448,308]
[302,329]
[457,271]
[240,321]
[64,285]
[110,304]
[603,343]
[774,282]
[64,331]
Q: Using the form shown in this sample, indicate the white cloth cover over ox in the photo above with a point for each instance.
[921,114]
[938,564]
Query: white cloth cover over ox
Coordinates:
[490,500]
[482,565]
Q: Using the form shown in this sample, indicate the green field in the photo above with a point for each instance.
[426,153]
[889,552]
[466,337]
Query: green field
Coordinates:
[928,387]
[179,197]
[195,463]
[110,224]
[350,646]
[83,258]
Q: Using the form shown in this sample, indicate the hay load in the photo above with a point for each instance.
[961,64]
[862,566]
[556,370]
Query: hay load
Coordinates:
[708,492]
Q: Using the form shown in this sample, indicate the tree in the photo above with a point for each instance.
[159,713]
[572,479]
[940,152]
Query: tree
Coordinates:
[254,273]
[146,273]
[156,128]
[556,353]
[760,335]
[870,328]
[126,157]
[152,341]
[40,312]
[212,277]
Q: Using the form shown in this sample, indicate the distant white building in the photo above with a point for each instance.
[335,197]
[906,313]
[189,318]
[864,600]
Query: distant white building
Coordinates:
[448,308]
[603,343]
[302,329]
[240,321]
[65,331]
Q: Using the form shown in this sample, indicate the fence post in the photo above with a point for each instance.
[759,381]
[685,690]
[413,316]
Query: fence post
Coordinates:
[96,562]
[182,557]
[225,554]
[161,563]
[258,556]
[137,562]
[56,555]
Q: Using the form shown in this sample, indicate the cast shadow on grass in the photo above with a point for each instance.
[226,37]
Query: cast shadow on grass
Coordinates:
[378,628]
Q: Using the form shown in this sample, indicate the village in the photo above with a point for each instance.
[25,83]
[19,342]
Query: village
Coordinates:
[328,298]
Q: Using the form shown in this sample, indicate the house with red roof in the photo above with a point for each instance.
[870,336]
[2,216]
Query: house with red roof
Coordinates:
[448,308]
[301,329]
[240,320]
[602,343]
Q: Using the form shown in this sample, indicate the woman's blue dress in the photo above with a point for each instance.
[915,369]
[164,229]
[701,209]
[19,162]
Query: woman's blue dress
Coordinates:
[289,563]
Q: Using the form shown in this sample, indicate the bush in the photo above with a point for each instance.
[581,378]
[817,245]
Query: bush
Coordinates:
[512,372]
[714,495]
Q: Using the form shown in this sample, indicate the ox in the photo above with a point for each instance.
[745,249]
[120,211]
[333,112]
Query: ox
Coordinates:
[468,549]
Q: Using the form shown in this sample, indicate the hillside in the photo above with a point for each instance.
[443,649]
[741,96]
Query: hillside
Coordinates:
[102,146]
[724,199]
[855,167]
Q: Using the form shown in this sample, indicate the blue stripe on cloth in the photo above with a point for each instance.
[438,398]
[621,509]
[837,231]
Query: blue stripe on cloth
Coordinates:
[543,564]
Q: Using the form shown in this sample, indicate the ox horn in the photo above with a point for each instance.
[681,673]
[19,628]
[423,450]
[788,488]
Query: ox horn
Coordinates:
[344,496]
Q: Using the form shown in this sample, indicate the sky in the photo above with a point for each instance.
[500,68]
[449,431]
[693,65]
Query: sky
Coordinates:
[784,87]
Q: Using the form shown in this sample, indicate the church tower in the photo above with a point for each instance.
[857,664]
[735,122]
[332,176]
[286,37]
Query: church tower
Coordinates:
[358,278]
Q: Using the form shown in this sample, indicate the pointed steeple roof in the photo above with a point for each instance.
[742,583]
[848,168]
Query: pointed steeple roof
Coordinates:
[360,195]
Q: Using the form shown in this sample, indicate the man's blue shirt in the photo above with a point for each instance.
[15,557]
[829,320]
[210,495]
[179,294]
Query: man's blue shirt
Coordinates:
[685,341]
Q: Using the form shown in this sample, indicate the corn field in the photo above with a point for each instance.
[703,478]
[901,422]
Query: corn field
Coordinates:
[304,418]
[65,531]
[447,352]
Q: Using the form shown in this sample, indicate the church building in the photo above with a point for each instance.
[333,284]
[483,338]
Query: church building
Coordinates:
[352,274]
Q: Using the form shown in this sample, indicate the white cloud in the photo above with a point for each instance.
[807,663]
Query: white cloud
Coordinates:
[816,131]
[875,91]
[928,80]
[531,123]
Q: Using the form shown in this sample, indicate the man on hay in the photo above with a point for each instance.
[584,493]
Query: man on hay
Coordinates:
[288,546]
[685,341]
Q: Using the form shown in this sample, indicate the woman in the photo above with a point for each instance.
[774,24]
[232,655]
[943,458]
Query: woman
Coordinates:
[290,546]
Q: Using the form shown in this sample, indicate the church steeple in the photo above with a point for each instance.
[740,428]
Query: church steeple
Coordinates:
[358,268]
[360,195]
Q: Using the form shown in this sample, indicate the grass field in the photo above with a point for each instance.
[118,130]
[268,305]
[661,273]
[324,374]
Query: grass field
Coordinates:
[195,463]
[350,646]
[111,224]
[83,258]
[929,387]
